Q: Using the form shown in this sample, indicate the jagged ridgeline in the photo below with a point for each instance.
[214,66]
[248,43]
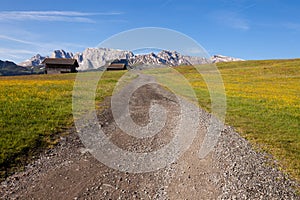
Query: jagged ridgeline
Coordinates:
[98,58]
[95,58]
[8,68]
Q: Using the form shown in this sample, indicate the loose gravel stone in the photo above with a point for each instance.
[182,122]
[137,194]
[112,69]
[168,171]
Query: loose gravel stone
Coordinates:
[248,174]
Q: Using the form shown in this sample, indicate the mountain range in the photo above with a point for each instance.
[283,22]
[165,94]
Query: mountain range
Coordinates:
[95,58]
[8,68]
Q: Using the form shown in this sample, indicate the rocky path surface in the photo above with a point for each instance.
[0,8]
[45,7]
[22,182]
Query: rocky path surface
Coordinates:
[232,171]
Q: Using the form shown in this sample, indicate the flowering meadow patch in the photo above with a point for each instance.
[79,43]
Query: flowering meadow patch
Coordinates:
[263,104]
[34,111]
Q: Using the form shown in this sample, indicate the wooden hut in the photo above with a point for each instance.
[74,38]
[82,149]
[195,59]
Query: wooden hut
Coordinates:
[118,64]
[60,65]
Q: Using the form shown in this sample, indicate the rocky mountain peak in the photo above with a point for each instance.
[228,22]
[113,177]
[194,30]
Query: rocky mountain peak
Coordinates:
[221,58]
[94,58]
[61,54]
[33,61]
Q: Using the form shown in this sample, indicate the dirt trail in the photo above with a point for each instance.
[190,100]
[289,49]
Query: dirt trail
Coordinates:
[69,171]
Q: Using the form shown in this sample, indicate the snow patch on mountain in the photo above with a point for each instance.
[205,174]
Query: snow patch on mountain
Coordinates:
[33,61]
[221,58]
[94,58]
[61,54]
[170,58]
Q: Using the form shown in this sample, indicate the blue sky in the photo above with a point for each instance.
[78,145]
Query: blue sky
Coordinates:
[249,29]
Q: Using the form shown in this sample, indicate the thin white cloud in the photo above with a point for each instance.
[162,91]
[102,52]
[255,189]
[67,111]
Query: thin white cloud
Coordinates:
[40,44]
[232,19]
[5,37]
[21,53]
[15,51]
[65,16]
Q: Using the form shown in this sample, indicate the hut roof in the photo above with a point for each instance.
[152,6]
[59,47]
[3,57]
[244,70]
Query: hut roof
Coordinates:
[117,66]
[60,61]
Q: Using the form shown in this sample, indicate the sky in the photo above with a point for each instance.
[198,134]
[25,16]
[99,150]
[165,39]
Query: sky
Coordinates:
[248,29]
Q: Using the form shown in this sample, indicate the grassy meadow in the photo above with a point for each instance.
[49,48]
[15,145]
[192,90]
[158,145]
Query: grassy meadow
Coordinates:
[35,110]
[263,104]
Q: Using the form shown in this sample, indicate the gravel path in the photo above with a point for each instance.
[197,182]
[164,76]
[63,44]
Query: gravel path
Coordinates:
[248,174]
[232,171]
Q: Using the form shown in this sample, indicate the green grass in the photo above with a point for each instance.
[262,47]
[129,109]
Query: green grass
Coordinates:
[263,104]
[34,111]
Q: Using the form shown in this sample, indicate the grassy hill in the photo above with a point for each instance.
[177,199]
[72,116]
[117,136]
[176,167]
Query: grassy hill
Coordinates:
[34,111]
[263,103]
